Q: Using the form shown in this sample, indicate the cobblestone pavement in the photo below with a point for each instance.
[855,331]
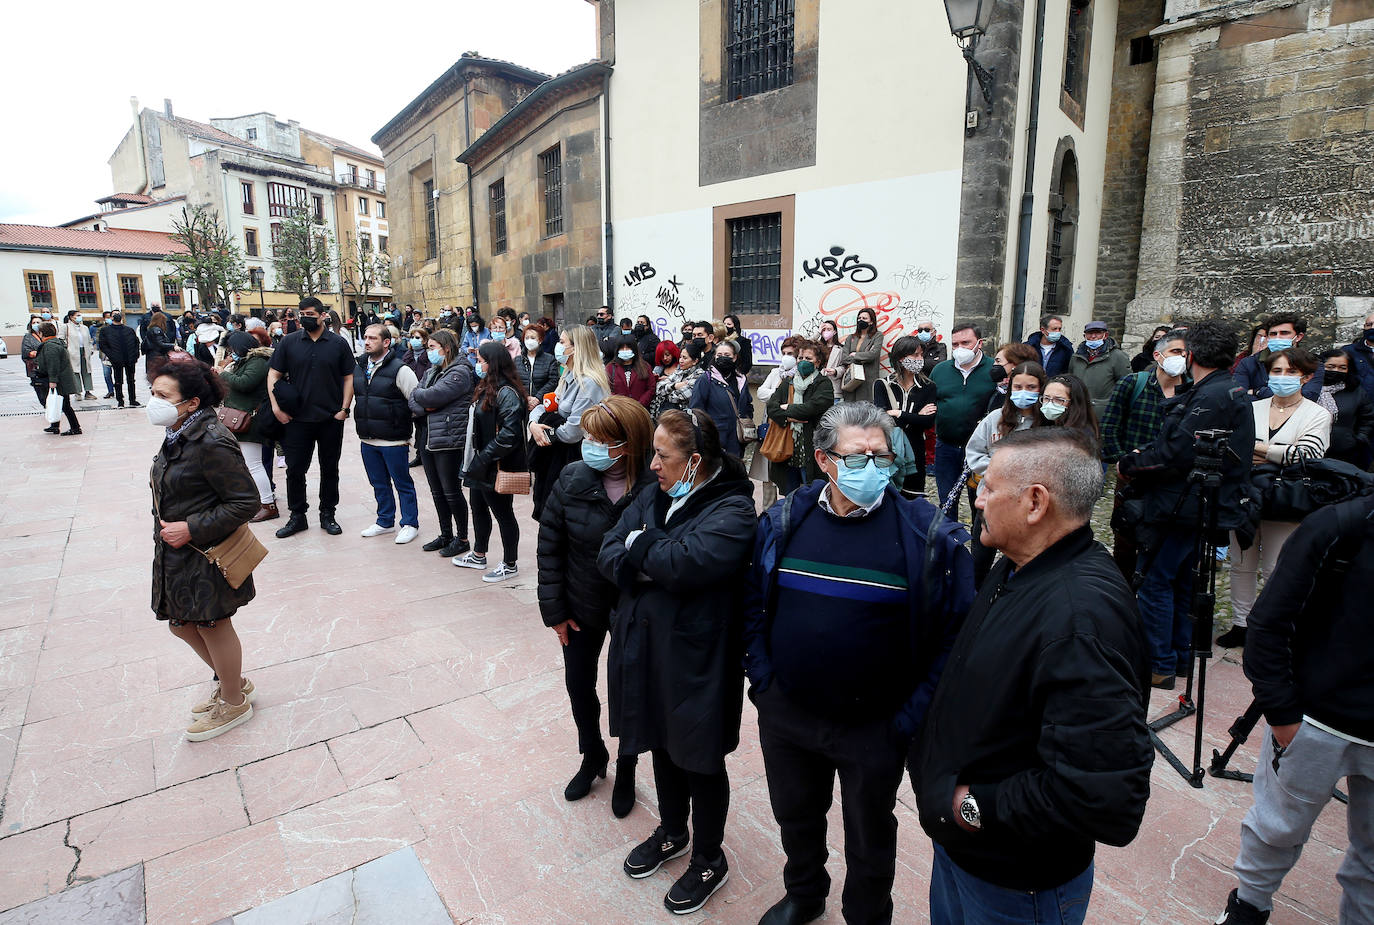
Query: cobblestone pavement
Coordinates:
[403,706]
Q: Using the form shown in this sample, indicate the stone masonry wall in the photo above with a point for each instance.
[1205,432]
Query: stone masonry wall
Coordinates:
[1261,183]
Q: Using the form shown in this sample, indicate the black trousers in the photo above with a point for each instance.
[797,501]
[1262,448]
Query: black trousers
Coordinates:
[444,472]
[120,373]
[40,388]
[802,753]
[706,796]
[486,504]
[269,457]
[298,445]
[581,662]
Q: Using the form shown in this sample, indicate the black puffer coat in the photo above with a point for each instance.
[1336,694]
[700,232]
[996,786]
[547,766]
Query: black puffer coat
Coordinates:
[675,667]
[202,480]
[498,437]
[540,377]
[119,343]
[575,519]
[443,400]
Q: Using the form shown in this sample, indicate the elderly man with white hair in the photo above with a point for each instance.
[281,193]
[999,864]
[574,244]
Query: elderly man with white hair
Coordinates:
[1035,747]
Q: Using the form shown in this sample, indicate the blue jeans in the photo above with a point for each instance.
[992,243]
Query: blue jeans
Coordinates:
[385,466]
[949,464]
[959,898]
[1165,601]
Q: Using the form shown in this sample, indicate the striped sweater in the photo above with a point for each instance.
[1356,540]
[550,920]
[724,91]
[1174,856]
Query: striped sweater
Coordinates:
[1305,435]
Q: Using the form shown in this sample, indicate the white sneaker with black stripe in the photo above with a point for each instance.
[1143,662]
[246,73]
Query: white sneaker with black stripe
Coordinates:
[501,572]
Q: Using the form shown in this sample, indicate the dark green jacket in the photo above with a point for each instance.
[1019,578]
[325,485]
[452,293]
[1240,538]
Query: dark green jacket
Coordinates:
[960,404]
[247,382]
[55,365]
[816,401]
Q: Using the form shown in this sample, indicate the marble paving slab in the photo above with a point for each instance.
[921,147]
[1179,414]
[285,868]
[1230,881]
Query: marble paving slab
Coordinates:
[391,889]
[115,899]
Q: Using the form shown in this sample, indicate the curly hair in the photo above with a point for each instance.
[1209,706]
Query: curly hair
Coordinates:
[194,379]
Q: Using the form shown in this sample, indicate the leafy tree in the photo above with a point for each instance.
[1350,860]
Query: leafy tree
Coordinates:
[302,254]
[213,264]
[362,269]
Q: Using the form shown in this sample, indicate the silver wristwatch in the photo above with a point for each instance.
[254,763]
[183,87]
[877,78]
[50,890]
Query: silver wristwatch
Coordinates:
[968,811]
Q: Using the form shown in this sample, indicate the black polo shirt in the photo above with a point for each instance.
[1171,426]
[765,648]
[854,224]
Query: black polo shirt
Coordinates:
[317,368]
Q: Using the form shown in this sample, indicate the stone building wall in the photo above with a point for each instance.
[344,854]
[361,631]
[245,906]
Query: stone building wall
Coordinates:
[1260,194]
[1128,151]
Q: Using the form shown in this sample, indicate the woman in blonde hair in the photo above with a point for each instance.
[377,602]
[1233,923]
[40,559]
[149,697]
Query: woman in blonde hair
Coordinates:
[575,601]
[558,432]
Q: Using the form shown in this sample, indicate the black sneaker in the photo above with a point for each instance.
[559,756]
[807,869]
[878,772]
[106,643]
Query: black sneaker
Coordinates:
[439,542]
[454,548]
[134,404]
[697,885]
[1240,912]
[1234,638]
[648,856]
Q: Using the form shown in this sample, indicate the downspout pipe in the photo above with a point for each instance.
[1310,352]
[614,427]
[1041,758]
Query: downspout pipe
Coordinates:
[608,234]
[1023,235]
[472,229]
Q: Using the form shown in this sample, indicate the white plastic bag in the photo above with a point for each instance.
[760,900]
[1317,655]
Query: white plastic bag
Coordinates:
[53,408]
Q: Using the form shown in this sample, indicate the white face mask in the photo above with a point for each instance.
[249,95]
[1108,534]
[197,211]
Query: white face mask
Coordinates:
[161,412]
[963,356]
[788,363]
[531,343]
[1174,365]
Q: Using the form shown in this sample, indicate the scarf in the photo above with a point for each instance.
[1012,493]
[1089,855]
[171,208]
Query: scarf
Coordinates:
[801,383]
[172,435]
[1326,401]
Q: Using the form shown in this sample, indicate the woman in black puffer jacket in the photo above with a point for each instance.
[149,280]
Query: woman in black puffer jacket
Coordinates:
[440,405]
[574,599]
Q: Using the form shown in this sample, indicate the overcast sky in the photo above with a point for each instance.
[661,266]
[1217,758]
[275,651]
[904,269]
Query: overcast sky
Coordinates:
[70,68]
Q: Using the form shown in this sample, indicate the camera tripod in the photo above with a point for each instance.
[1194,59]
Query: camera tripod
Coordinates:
[1240,731]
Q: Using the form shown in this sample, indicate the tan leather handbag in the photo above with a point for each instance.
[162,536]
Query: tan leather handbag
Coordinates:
[236,556]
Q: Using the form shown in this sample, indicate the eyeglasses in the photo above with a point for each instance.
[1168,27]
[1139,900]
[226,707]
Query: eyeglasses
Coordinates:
[859,460]
[926,330]
[1054,400]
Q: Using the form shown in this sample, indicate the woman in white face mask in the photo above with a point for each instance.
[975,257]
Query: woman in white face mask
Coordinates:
[202,493]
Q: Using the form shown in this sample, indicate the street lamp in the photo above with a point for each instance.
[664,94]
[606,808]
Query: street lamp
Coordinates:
[256,274]
[969,19]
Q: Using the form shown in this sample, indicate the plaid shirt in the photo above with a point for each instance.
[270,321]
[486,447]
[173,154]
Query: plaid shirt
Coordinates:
[1127,424]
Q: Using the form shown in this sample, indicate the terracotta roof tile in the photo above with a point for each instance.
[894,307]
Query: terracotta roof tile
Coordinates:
[138,198]
[341,145]
[115,241]
[210,133]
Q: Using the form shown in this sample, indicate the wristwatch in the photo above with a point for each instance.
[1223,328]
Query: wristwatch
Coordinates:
[968,811]
[346,412]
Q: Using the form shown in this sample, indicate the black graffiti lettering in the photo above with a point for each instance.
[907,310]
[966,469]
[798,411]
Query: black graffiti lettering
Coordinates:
[669,302]
[833,270]
[672,281]
[645,271]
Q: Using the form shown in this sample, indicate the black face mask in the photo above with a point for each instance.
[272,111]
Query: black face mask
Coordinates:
[1369,336]
[997,373]
[310,323]
[725,365]
[1330,377]
[640,330]
[861,324]
[700,342]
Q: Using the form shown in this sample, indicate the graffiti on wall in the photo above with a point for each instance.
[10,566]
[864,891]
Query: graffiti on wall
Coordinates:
[639,274]
[837,266]
[667,302]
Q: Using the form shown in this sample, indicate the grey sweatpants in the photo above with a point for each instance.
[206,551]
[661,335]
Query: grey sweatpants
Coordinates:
[1287,803]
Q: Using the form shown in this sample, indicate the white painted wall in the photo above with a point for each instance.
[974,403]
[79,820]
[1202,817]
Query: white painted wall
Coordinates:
[14,300]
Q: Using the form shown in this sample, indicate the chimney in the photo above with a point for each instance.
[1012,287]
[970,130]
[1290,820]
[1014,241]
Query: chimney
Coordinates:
[138,136]
[167,108]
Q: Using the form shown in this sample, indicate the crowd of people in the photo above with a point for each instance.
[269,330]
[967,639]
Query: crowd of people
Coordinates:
[1005,667]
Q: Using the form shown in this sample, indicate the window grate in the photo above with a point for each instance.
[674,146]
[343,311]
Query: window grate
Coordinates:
[131,292]
[1073,51]
[756,264]
[498,216]
[431,222]
[171,292]
[86,296]
[40,290]
[551,176]
[758,51]
[1056,260]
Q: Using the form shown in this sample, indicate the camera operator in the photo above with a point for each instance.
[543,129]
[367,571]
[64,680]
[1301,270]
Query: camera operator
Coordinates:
[1169,500]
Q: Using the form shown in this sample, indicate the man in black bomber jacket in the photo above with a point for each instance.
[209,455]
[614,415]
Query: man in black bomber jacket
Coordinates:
[1035,746]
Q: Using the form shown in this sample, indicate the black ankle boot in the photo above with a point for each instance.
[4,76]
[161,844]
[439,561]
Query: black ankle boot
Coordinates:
[623,795]
[593,765]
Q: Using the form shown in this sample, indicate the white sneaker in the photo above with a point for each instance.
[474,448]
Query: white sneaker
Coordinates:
[500,573]
[406,534]
[377,530]
[470,560]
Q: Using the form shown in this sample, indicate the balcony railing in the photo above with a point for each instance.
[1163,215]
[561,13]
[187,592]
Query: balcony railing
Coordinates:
[362,181]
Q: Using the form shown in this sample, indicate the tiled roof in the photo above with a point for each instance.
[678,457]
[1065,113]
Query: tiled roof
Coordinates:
[210,133]
[121,241]
[137,198]
[339,144]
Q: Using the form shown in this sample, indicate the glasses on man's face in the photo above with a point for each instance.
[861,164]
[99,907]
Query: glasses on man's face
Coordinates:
[925,330]
[1054,400]
[859,460]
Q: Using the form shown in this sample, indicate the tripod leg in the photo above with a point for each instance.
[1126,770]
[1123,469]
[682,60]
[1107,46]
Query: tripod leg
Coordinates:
[1239,732]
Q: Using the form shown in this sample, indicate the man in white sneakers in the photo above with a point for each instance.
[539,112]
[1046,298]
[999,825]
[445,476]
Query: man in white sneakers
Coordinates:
[381,386]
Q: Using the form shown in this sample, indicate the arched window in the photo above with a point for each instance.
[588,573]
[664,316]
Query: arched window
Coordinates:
[1063,226]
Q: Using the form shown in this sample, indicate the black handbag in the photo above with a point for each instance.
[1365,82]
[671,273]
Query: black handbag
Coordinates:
[1290,493]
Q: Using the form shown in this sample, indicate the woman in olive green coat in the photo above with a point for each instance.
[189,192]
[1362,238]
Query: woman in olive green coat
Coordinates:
[54,366]
[245,375]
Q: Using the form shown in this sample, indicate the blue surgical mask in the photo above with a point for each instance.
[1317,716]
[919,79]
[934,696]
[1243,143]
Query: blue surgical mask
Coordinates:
[1054,336]
[560,353]
[683,486]
[498,336]
[862,486]
[435,357]
[481,371]
[1024,398]
[924,336]
[46,316]
[1284,385]
[416,343]
[626,355]
[1279,343]
[1094,344]
[596,455]
[1052,411]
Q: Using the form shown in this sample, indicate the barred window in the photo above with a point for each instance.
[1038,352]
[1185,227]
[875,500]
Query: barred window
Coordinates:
[551,181]
[498,216]
[1076,50]
[131,292]
[40,290]
[86,294]
[758,49]
[283,198]
[171,292]
[755,264]
[431,222]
